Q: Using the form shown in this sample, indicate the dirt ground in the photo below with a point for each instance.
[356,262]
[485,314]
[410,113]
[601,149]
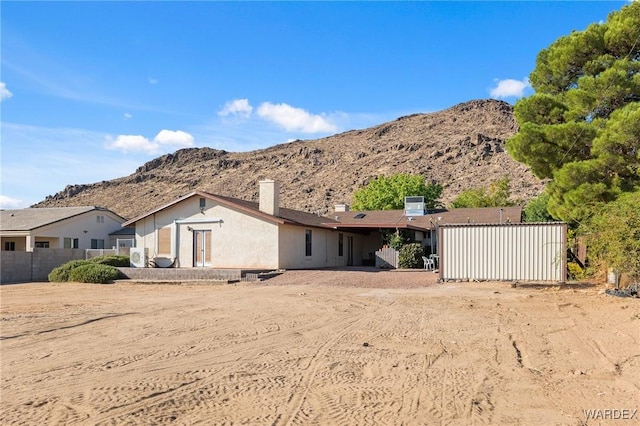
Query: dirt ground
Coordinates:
[318,347]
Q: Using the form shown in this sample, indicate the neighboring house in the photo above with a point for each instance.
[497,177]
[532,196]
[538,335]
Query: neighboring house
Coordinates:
[207,230]
[60,227]
[123,238]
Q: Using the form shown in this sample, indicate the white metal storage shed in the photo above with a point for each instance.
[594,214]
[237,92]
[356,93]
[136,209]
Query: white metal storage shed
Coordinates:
[503,252]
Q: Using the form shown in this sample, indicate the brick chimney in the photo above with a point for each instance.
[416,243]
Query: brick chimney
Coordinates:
[269,197]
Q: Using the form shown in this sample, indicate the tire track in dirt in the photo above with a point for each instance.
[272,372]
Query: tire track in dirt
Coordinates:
[237,378]
[356,372]
[301,390]
[66,327]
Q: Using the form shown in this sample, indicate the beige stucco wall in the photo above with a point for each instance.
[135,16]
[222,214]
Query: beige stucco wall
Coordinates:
[324,249]
[238,240]
[292,248]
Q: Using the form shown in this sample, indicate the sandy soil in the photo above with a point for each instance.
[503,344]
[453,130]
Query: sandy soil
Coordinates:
[317,347]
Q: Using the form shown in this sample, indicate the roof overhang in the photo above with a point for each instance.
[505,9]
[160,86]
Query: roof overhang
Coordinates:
[374,226]
[8,234]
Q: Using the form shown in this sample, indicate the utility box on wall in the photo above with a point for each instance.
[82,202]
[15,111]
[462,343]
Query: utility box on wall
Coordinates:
[503,252]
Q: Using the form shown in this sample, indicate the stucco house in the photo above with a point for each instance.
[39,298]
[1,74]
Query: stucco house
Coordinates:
[202,229]
[86,227]
[207,230]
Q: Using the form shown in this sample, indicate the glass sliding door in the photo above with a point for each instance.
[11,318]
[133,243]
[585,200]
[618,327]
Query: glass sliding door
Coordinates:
[201,248]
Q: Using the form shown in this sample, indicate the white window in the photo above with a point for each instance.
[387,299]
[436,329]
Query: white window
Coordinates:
[100,219]
[97,243]
[307,242]
[72,243]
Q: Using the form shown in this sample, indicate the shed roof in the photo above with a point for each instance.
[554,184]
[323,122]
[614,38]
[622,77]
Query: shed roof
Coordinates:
[32,218]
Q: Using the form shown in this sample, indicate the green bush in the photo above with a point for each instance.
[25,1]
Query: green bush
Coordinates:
[396,241]
[112,260]
[411,256]
[61,273]
[575,271]
[94,273]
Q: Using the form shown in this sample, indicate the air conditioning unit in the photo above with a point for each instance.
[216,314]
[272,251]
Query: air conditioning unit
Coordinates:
[138,257]
[414,206]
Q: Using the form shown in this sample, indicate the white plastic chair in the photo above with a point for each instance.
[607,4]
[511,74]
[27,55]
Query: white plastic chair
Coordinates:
[429,264]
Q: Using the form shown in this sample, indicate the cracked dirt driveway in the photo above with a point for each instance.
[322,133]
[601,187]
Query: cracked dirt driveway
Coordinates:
[317,347]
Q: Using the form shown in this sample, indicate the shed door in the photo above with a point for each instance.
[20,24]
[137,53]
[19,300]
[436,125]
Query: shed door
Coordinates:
[201,248]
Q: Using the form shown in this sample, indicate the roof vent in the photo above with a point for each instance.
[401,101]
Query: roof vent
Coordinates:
[414,206]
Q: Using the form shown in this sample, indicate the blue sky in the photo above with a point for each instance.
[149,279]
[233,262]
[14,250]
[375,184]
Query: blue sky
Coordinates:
[91,90]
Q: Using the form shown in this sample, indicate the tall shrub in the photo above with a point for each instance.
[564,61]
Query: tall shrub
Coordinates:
[411,256]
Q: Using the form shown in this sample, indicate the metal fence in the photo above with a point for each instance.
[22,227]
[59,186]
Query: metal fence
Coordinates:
[511,252]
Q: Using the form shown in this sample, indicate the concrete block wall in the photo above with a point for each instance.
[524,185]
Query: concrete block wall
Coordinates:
[24,266]
[46,260]
[182,274]
[15,266]
[28,266]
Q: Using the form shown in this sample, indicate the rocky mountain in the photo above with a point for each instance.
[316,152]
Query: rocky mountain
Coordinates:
[461,147]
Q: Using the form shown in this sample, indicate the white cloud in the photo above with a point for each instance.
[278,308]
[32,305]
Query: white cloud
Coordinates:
[132,143]
[128,116]
[295,119]
[175,138]
[12,203]
[4,92]
[153,81]
[137,143]
[236,107]
[509,88]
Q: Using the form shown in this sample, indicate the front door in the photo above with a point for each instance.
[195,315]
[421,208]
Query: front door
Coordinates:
[201,248]
[349,251]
